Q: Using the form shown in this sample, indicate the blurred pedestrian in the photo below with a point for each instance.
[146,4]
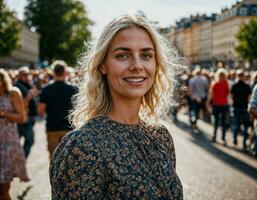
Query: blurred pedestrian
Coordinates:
[56,102]
[253,112]
[218,98]
[254,80]
[232,78]
[251,117]
[114,154]
[12,159]
[198,91]
[241,93]
[29,92]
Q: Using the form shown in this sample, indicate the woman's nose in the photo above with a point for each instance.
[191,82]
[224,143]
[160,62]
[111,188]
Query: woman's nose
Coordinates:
[136,64]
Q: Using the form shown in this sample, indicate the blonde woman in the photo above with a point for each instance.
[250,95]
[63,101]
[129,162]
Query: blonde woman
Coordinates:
[114,152]
[12,159]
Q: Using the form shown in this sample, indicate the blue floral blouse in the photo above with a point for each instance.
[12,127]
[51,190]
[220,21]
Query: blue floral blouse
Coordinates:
[109,160]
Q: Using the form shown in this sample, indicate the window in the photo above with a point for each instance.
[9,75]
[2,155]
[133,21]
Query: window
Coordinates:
[254,11]
[243,11]
[234,11]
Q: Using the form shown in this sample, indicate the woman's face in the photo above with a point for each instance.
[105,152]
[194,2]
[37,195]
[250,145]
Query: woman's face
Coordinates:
[130,64]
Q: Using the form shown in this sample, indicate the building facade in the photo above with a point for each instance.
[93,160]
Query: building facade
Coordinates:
[195,42]
[28,51]
[211,40]
[206,43]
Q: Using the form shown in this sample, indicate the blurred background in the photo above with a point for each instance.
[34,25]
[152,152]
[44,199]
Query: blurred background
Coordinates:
[208,35]
[204,32]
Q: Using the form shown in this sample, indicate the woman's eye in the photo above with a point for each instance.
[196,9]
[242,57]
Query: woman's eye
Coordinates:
[122,56]
[147,56]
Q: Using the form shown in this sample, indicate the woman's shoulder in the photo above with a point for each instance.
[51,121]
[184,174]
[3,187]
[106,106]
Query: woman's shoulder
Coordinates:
[157,128]
[15,91]
[76,146]
[14,94]
[88,133]
[159,131]
[162,134]
[79,136]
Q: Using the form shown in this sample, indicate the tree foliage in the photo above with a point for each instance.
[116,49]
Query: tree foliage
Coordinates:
[247,41]
[63,25]
[9,31]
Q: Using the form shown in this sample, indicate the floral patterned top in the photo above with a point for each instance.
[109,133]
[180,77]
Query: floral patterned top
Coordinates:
[109,160]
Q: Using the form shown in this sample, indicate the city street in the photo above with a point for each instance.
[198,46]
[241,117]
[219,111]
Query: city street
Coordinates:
[208,171]
[123,58]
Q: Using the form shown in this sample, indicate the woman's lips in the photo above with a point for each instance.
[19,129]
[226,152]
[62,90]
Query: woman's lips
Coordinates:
[135,81]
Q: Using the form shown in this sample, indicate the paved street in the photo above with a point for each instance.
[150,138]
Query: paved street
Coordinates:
[212,171]
[208,171]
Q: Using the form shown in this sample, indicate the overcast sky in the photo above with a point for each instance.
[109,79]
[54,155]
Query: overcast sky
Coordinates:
[166,12]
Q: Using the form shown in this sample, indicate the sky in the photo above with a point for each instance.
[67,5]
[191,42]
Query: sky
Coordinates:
[166,12]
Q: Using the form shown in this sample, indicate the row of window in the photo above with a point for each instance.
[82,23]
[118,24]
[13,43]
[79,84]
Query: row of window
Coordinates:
[244,10]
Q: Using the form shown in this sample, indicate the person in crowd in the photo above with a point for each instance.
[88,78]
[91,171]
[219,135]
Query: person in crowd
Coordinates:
[12,159]
[56,102]
[247,77]
[251,117]
[198,91]
[232,78]
[29,92]
[253,112]
[218,97]
[117,151]
[254,80]
[240,93]
[206,115]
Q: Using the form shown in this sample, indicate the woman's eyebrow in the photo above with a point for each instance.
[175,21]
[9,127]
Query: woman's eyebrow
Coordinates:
[148,49]
[121,49]
[128,49]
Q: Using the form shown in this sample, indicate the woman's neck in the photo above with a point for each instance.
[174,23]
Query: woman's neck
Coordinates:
[125,112]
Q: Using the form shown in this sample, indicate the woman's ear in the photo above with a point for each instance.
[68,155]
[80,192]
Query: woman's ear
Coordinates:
[102,69]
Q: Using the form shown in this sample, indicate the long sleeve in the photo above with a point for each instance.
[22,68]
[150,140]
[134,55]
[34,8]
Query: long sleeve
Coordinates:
[109,160]
[168,142]
[77,168]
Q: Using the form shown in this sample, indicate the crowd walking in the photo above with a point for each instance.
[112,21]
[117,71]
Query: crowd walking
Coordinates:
[228,97]
[19,102]
[101,120]
[227,104]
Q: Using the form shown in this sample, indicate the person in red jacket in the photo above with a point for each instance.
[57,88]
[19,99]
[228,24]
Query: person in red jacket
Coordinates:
[218,97]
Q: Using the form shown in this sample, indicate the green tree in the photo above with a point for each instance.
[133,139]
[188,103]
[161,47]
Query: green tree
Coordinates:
[9,31]
[63,25]
[247,42]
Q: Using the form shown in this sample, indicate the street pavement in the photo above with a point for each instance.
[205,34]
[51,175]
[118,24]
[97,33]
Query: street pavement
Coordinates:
[208,171]
[212,171]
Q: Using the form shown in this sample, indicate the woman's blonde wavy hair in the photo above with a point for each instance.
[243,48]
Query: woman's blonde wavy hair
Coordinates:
[94,98]
[6,80]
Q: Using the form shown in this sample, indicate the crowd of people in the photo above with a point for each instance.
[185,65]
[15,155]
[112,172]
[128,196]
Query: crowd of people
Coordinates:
[115,151]
[26,94]
[224,98]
